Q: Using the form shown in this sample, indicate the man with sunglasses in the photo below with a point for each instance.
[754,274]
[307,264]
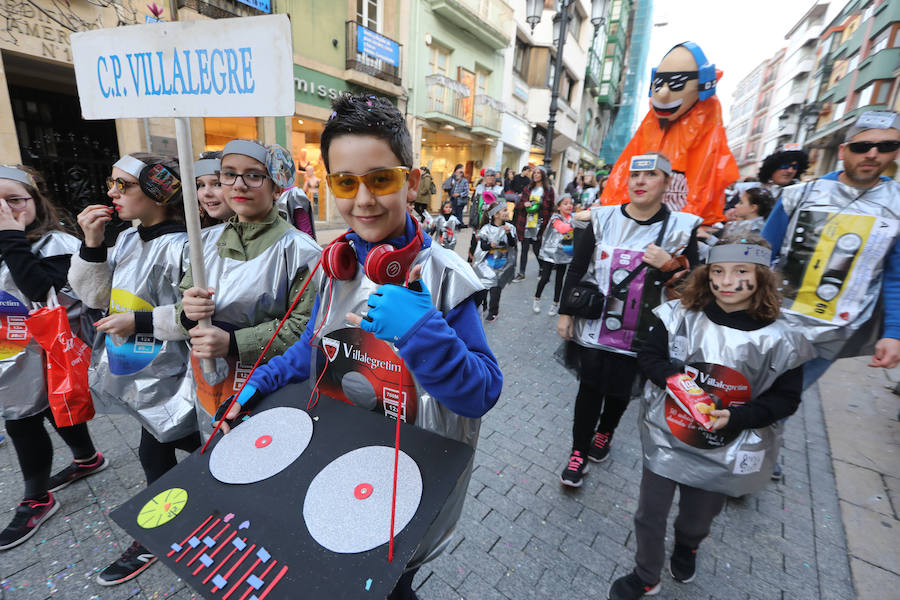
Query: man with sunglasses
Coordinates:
[838,251]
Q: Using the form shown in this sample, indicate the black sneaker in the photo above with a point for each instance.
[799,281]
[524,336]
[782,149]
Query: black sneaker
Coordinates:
[600,448]
[777,473]
[631,587]
[491,318]
[574,472]
[77,471]
[683,563]
[132,563]
[30,515]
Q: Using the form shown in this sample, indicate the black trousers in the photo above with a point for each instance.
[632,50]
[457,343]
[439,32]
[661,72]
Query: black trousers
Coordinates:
[535,248]
[158,457]
[546,269]
[489,300]
[603,393]
[35,449]
[696,510]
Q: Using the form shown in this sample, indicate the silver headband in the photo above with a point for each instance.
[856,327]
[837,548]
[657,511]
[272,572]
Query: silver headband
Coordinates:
[740,253]
[650,162]
[131,165]
[247,148]
[17,175]
[496,208]
[207,166]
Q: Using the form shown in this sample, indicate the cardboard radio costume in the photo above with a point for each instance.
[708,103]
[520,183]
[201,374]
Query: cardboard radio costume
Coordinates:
[732,367]
[833,258]
[495,266]
[685,124]
[23,389]
[368,373]
[558,245]
[619,249]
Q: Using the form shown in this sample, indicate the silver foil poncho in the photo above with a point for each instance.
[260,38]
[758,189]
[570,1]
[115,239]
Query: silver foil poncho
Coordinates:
[497,266]
[558,248]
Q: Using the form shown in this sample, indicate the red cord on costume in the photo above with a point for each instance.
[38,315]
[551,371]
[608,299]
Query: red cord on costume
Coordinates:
[394,491]
[263,353]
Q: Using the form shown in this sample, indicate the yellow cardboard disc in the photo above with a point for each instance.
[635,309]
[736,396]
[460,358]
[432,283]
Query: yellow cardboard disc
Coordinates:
[162,508]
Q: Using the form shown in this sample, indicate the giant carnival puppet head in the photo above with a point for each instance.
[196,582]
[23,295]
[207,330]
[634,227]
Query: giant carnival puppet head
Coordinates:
[682,78]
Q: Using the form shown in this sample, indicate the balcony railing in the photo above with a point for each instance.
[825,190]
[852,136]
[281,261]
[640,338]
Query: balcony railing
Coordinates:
[445,99]
[488,113]
[364,49]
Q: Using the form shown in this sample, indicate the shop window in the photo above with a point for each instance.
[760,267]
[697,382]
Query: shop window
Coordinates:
[220,130]
[306,135]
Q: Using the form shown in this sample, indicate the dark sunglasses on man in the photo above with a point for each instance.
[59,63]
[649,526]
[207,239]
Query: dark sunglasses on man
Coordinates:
[793,165]
[883,147]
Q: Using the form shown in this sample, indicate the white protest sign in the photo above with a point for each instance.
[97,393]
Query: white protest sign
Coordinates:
[219,68]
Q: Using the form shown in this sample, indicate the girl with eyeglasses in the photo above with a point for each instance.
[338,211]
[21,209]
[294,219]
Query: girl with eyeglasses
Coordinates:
[138,364]
[256,263]
[34,257]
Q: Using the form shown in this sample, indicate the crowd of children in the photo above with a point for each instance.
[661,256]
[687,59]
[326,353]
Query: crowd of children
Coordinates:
[171,353]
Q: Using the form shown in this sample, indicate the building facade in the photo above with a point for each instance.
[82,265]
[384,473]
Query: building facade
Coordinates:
[743,111]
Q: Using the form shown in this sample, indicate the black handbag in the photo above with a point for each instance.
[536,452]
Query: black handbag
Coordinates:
[584,300]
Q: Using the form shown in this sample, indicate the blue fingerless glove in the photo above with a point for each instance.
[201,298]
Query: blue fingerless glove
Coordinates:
[394,310]
[248,393]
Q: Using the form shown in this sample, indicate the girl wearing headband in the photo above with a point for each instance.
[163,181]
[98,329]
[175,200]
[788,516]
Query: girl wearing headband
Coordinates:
[256,264]
[494,259]
[138,364]
[210,195]
[556,252]
[723,370]
[34,257]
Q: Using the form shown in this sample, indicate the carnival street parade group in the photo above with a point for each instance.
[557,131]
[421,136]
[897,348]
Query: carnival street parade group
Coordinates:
[713,304]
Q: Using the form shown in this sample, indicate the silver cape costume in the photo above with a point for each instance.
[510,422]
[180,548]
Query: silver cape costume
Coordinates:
[23,385]
[619,249]
[732,367]
[141,375]
[496,266]
[832,262]
[395,390]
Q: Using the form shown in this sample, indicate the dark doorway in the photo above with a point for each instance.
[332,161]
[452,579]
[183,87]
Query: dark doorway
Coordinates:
[75,156]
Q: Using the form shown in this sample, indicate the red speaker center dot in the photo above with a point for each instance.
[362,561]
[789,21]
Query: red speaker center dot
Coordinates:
[363,491]
[263,441]
[167,506]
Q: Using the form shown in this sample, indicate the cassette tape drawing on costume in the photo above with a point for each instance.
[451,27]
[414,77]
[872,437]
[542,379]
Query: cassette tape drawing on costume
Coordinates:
[297,504]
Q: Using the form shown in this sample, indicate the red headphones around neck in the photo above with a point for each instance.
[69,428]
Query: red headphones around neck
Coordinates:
[384,264]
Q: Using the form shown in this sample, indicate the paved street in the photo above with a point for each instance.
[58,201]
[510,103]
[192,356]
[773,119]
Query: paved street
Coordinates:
[522,534]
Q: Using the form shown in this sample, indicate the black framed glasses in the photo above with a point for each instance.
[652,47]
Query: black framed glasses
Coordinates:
[676,80]
[251,179]
[119,183]
[883,147]
[18,202]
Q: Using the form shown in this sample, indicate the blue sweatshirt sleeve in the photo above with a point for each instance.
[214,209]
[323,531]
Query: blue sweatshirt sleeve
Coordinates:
[290,367]
[452,361]
[775,228]
[891,293]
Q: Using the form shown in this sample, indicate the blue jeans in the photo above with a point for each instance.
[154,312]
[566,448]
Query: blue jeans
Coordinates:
[814,369]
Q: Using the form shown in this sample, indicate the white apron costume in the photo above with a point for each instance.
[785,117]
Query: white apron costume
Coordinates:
[367,372]
[558,248]
[619,249]
[497,266]
[833,259]
[247,293]
[732,367]
[23,385]
[141,375]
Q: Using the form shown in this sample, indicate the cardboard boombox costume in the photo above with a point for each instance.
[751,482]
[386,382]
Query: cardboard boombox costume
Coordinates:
[684,124]
[297,504]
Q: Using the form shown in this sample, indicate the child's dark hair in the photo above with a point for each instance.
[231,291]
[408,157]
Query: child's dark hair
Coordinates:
[445,204]
[761,199]
[765,304]
[368,115]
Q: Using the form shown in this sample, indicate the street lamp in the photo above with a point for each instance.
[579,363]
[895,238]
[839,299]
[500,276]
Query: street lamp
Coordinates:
[560,23]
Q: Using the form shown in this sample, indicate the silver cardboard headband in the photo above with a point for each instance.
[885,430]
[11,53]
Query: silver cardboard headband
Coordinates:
[247,148]
[207,166]
[131,165]
[17,175]
[496,208]
[740,253]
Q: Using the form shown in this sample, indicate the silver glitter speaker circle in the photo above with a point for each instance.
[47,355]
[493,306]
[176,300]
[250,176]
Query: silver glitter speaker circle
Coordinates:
[262,446]
[347,508]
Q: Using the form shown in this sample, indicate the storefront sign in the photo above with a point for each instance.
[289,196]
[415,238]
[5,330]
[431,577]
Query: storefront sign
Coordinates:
[260,5]
[319,89]
[227,67]
[377,46]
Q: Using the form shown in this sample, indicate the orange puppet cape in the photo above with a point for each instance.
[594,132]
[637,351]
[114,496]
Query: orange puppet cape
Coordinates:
[697,147]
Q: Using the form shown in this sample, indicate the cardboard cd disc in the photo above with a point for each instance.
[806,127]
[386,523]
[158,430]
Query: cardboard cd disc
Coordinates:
[347,508]
[261,446]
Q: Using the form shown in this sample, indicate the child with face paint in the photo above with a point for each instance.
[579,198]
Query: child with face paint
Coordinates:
[34,257]
[139,362]
[256,264]
[556,252]
[446,225]
[723,370]
[210,196]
